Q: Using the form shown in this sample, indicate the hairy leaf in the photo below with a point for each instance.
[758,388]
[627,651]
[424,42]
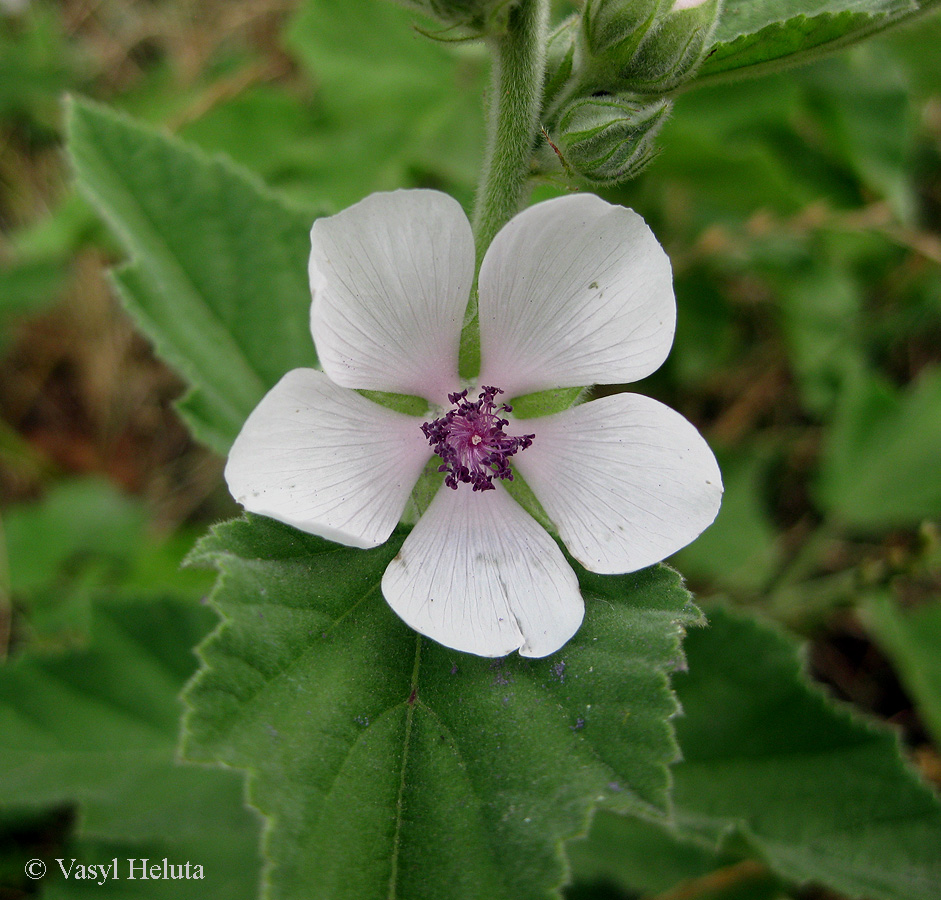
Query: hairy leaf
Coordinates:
[819,793]
[648,858]
[881,453]
[911,637]
[97,730]
[218,275]
[390,766]
[753,37]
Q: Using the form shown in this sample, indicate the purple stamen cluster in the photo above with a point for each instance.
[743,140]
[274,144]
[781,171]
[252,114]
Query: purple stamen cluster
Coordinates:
[471,441]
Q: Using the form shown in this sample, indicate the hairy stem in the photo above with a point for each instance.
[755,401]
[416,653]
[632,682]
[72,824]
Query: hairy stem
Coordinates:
[519,61]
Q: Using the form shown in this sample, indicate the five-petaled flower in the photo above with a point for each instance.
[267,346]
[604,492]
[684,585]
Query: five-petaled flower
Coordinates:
[572,292]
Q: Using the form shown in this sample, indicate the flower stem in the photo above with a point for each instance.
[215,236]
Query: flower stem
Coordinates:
[518,68]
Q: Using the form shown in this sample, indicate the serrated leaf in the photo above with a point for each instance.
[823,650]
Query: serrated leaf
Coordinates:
[912,638]
[649,858]
[819,793]
[271,129]
[85,540]
[390,766]
[759,36]
[218,274]
[37,64]
[73,521]
[97,728]
[879,465]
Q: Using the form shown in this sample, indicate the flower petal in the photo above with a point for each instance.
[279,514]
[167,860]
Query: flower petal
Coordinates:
[574,291]
[626,480]
[390,278]
[479,574]
[326,460]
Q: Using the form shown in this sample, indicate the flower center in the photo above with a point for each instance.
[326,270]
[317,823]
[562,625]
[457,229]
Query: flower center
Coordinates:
[471,441]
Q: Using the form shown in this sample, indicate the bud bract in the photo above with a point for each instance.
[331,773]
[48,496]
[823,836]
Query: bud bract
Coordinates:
[560,59]
[609,139]
[671,52]
[613,29]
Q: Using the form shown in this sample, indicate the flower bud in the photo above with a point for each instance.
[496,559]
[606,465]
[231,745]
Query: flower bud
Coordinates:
[610,139]
[671,52]
[613,29]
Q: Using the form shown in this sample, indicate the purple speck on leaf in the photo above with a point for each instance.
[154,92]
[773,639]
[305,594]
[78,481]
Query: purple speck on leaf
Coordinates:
[500,678]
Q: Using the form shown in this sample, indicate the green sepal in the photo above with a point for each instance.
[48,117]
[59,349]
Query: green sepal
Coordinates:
[523,494]
[408,404]
[545,403]
[429,483]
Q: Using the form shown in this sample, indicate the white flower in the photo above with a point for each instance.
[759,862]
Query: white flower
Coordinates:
[572,292]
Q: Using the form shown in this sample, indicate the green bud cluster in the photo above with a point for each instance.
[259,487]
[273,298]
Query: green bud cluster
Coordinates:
[608,70]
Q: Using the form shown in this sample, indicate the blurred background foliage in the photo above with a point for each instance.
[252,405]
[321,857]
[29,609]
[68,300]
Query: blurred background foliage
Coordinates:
[802,212]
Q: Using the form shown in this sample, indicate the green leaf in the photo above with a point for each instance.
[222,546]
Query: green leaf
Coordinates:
[820,318]
[753,37]
[36,66]
[390,766]
[86,540]
[271,129]
[862,100]
[879,465]
[912,638]
[396,109]
[649,858]
[218,274]
[98,729]
[721,139]
[27,286]
[74,521]
[820,794]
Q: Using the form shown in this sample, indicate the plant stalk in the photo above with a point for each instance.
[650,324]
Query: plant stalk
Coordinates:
[518,68]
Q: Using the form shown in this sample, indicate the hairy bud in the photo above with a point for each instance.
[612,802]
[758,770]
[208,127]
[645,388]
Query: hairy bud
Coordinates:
[670,54]
[643,46]
[613,29]
[609,139]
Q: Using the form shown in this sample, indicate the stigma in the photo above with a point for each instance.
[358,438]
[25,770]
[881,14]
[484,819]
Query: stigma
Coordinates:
[471,441]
